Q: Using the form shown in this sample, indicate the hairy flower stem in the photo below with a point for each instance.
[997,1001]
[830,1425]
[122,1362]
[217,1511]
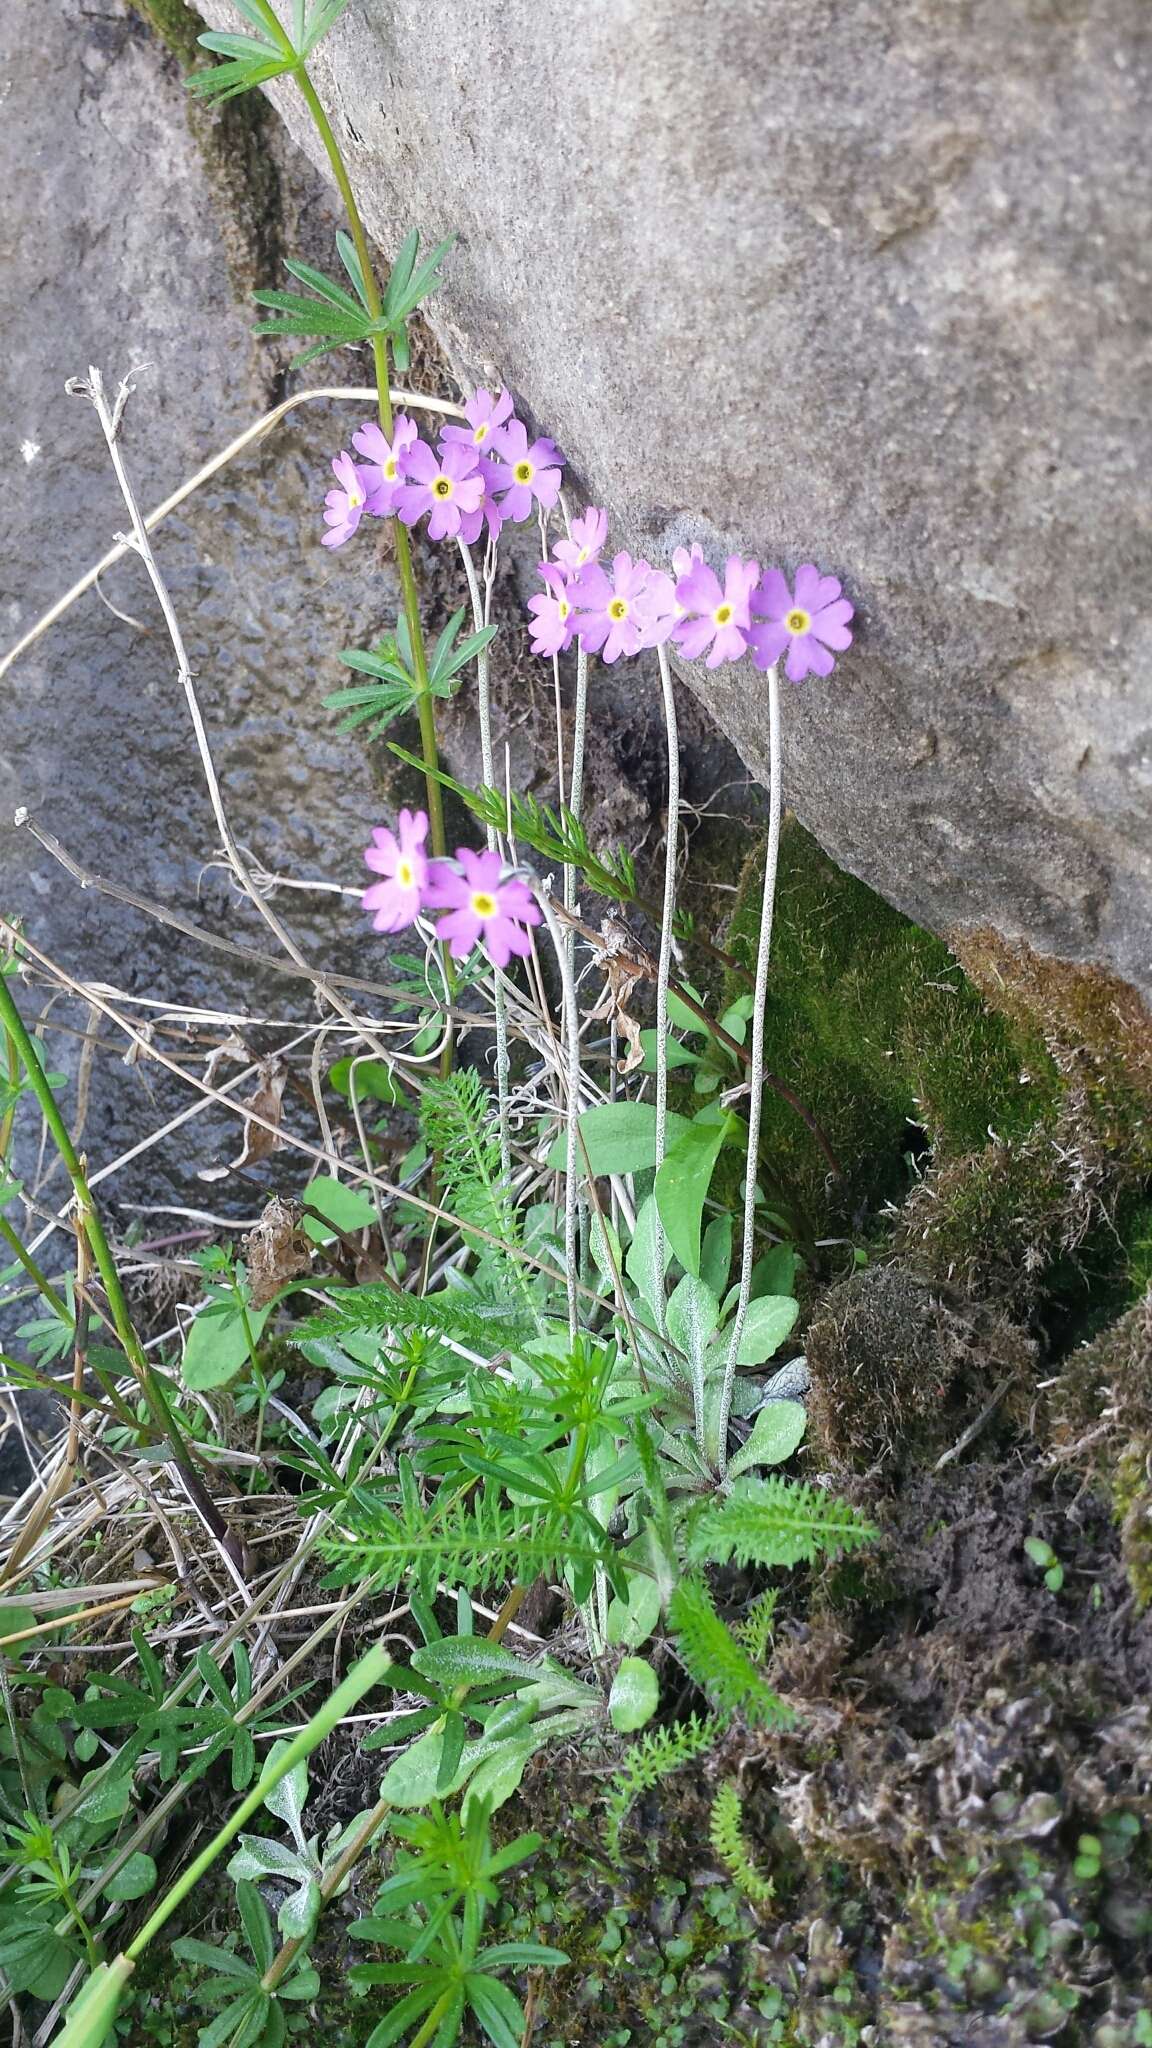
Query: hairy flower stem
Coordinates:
[756,1076]
[668,912]
[572,1093]
[90,1223]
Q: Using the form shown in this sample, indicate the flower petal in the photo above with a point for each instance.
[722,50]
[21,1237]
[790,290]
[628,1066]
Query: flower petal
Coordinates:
[771,597]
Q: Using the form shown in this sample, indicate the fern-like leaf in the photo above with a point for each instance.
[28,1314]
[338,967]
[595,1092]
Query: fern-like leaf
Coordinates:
[460,1132]
[475,1544]
[487,1327]
[755,1631]
[720,1665]
[775,1521]
[657,1754]
[731,1849]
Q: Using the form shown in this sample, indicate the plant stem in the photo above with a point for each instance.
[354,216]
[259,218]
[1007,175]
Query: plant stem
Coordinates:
[55,1301]
[756,1077]
[424,707]
[433,2020]
[363,1676]
[484,713]
[668,912]
[89,1221]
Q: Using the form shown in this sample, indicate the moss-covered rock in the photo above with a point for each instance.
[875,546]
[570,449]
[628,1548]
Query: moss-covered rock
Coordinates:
[874,1025]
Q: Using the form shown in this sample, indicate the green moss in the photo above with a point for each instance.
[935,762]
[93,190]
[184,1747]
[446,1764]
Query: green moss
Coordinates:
[178,26]
[876,1028]
[235,142]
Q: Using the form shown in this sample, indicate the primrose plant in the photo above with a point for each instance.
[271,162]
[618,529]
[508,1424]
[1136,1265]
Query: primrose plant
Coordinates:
[553,1310]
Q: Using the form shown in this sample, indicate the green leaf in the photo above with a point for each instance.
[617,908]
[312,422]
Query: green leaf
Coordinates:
[498,1777]
[766,1325]
[682,1182]
[34,1958]
[632,1621]
[346,250]
[647,1258]
[138,1877]
[257,1925]
[217,1346]
[777,1431]
[470,1660]
[345,1207]
[372,1081]
[619,1137]
[716,1255]
[634,1697]
[692,1318]
[775,1521]
[500,2013]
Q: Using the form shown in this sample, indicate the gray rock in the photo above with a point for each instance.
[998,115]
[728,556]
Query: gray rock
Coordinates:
[872,287]
[115,252]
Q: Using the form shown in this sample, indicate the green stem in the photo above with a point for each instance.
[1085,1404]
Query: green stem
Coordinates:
[433,2020]
[363,1676]
[424,706]
[56,1302]
[88,1217]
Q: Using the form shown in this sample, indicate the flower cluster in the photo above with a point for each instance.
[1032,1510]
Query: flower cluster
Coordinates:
[636,606]
[478,476]
[481,902]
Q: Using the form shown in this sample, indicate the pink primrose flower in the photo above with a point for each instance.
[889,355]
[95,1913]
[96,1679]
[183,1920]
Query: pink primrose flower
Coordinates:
[386,462]
[715,619]
[621,613]
[345,507]
[808,621]
[400,858]
[554,621]
[445,485]
[585,542]
[485,416]
[526,474]
[482,904]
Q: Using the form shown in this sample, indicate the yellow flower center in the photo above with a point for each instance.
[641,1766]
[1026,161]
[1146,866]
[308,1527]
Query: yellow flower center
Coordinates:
[390,469]
[563,607]
[722,614]
[523,472]
[442,488]
[481,433]
[618,609]
[355,498]
[798,621]
[405,875]
[483,904]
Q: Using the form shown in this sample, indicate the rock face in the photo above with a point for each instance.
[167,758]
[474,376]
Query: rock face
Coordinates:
[871,288]
[113,253]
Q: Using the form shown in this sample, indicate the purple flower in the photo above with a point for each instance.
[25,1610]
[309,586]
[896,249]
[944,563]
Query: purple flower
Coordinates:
[344,508]
[445,485]
[401,859]
[526,473]
[684,559]
[715,618]
[481,904]
[554,624]
[488,513]
[807,621]
[621,613]
[387,461]
[585,540]
[485,416]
